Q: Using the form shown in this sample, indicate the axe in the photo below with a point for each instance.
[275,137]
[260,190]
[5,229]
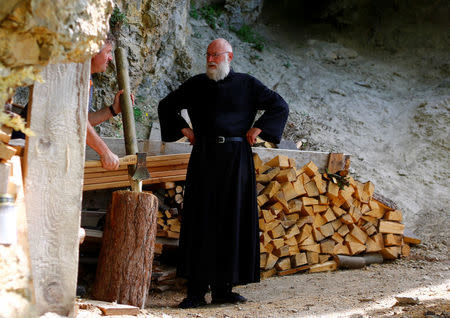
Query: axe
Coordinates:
[136,174]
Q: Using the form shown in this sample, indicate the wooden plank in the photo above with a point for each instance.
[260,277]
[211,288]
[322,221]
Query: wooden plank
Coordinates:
[393,216]
[54,160]
[271,261]
[310,248]
[336,162]
[281,161]
[111,309]
[410,238]
[90,175]
[151,163]
[311,189]
[124,176]
[286,175]
[323,258]
[311,169]
[326,229]
[5,133]
[312,257]
[271,189]
[6,152]
[324,267]
[268,273]
[293,270]
[158,148]
[406,250]
[391,227]
[320,184]
[392,239]
[283,264]
[298,260]
[391,252]
[123,184]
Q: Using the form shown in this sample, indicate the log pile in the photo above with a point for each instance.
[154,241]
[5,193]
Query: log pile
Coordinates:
[165,168]
[164,278]
[307,217]
[170,198]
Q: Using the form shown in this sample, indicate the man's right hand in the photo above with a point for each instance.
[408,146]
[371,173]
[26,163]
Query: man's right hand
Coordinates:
[109,160]
[189,133]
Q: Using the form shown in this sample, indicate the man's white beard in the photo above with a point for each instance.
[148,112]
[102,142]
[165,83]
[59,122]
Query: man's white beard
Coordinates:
[220,72]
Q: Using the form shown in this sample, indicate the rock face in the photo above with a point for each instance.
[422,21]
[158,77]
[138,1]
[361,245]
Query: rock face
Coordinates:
[34,33]
[155,38]
[238,12]
[243,11]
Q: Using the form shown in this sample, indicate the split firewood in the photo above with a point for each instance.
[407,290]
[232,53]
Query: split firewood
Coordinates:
[307,217]
[170,199]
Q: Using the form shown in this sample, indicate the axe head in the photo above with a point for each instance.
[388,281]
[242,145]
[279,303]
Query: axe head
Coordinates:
[141,172]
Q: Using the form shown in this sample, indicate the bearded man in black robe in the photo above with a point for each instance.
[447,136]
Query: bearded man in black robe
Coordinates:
[219,238]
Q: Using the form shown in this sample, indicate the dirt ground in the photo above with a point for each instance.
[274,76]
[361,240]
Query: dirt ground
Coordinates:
[367,292]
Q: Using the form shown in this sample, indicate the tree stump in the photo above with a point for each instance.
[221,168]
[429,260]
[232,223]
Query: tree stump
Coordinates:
[125,264]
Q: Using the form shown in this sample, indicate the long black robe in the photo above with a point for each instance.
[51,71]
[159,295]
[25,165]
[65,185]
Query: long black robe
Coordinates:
[219,241]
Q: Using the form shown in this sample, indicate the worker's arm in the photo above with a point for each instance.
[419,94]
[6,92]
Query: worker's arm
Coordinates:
[109,160]
[105,113]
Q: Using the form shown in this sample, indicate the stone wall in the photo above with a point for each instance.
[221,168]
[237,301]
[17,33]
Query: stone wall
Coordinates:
[154,35]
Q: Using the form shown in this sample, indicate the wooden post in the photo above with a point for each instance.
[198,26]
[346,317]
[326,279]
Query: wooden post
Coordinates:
[125,263]
[53,184]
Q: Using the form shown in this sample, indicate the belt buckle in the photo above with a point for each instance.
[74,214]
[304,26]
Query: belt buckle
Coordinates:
[220,139]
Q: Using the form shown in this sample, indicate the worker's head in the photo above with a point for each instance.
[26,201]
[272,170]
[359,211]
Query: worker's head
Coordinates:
[218,57]
[100,61]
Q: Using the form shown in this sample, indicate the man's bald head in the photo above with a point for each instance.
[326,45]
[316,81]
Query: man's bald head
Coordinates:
[220,45]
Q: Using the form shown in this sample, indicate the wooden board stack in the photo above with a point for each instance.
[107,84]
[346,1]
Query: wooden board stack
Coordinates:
[170,203]
[305,219]
[165,168]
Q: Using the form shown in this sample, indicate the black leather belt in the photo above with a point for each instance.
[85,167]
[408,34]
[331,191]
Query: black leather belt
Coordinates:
[220,139]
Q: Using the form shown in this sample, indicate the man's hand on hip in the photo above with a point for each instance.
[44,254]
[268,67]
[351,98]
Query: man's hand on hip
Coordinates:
[189,134]
[252,134]
[109,160]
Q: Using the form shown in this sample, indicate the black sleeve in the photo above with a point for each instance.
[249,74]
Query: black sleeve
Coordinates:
[169,113]
[276,112]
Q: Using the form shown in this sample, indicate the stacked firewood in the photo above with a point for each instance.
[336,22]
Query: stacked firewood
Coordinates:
[164,278]
[308,218]
[170,198]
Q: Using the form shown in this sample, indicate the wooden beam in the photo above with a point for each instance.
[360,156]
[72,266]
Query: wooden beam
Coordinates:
[53,184]
[157,148]
[121,184]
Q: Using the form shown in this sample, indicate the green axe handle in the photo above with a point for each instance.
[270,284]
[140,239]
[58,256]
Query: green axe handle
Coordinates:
[129,129]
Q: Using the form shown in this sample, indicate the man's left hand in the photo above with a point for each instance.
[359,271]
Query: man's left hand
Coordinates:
[116,105]
[252,134]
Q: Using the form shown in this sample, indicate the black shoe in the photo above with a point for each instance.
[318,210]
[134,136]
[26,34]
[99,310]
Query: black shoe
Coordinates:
[192,302]
[228,298]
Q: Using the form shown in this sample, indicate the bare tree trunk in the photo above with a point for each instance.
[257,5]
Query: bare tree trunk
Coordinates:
[125,263]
